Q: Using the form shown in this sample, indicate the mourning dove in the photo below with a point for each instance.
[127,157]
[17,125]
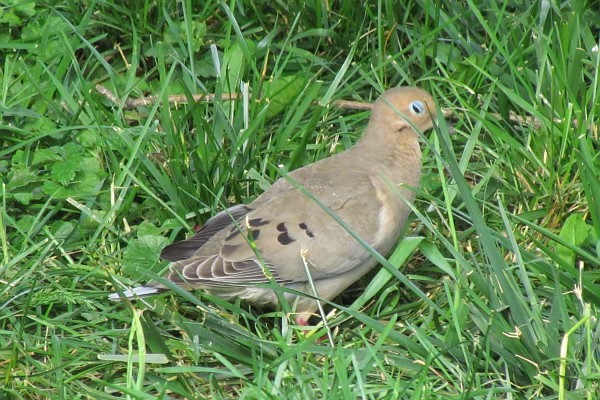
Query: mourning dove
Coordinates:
[284,230]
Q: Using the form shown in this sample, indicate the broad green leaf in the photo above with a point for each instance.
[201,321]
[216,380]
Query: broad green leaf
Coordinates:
[143,254]
[575,232]
[282,92]
[232,67]
[42,156]
[64,171]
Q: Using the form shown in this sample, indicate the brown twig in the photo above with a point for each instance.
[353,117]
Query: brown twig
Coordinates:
[175,99]
[352,105]
[347,104]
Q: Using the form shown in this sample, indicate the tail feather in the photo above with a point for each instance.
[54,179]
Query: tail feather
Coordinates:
[141,291]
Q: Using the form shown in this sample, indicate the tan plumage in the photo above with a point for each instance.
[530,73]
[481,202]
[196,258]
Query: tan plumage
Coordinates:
[367,186]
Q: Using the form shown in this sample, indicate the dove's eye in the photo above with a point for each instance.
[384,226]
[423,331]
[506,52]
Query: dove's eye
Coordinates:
[416,107]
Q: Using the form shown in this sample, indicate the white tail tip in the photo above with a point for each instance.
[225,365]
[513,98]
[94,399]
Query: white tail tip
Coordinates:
[141,291]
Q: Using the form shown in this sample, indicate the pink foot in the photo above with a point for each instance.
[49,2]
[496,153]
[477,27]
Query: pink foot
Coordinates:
[304,322]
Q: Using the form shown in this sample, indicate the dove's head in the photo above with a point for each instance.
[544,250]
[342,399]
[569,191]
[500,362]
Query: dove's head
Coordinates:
[403,107]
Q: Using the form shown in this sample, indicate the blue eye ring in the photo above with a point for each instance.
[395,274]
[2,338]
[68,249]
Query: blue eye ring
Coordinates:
[416,107]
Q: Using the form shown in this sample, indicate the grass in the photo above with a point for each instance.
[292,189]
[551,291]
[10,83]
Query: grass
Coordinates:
[503,250]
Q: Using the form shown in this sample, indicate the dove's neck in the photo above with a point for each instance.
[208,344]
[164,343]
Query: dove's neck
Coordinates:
[397,154]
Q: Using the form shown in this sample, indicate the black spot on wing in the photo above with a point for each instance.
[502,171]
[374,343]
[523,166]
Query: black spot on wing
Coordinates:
[304,227]
[233,233]
[254,222]
[284,238]
[252,234]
